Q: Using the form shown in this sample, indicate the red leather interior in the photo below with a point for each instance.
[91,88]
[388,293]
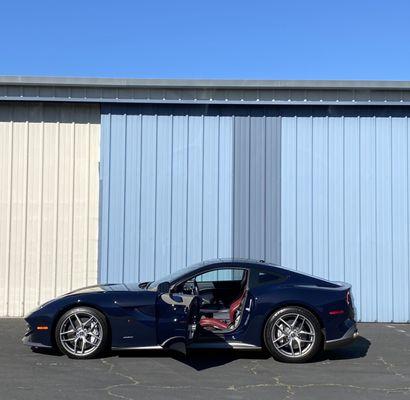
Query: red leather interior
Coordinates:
[217,323]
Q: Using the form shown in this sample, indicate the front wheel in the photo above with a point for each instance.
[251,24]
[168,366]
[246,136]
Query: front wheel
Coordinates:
[81,333]
[293,335]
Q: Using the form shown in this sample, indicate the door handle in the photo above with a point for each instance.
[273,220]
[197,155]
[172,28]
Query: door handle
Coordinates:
[250,305]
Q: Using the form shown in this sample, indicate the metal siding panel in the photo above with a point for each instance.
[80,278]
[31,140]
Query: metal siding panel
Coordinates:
[40,200]
[164,189]
[6,167]
[320,244]
[304,194]
[257,188]
[210,187]
[195,187]
[241,186]
[288,193]
[132,198]
[49,204]
[400,220]
[336,199]
[384,219]
[273,193]
[18,211]
[225,188]
[352,205]
[116,198]
[148,197]
[179,193]
[93,195]
[65,200]
[104,244]
[368,293]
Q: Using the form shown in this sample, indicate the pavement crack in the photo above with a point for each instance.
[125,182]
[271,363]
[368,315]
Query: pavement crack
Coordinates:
[391,368]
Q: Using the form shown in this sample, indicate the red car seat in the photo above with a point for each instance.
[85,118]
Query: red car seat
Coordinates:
[219,324]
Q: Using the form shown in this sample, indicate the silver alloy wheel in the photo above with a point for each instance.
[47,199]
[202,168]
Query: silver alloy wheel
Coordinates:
[293,335]
[81,333]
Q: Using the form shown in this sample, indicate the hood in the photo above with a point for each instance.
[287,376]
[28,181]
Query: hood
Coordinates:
[108,287]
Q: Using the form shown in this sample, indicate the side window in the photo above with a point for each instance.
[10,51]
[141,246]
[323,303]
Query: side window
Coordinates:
[268,277]
[231,274]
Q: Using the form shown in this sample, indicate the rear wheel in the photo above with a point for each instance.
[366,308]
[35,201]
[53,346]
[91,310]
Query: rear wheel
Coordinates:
[82,333]
[293,334]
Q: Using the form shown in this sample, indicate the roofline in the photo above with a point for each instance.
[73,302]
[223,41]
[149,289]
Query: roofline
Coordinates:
[205,91]
[203,83]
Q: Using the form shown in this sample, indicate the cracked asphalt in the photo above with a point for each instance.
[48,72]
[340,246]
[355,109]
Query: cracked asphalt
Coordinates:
[376,366]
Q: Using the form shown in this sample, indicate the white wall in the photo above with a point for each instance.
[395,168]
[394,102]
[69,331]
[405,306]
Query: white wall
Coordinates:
[49,155]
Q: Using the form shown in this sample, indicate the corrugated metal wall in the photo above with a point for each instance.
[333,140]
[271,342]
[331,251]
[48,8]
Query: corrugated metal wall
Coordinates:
[174,191]
[345,205]
[48,202]
[323,190]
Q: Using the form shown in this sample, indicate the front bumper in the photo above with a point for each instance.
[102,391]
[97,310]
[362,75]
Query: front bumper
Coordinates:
[31,339]
[347,338]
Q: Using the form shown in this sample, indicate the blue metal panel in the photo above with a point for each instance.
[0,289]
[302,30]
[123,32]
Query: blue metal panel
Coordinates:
[195,186]
[164,191]
[400,220]
[179,193]
[349,208]
[320,237]
[241,186]
[384,219]
[304,179]
[288,192]
[368,293]
[257,187]
[352,204]
[336,199]
[132,197]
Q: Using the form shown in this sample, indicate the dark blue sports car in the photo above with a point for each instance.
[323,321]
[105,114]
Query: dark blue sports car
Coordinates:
[234,304]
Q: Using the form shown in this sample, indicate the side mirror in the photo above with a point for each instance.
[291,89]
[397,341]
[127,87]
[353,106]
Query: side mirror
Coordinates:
[164,287]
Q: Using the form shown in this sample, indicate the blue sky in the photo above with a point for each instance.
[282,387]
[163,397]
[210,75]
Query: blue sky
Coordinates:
[266,39]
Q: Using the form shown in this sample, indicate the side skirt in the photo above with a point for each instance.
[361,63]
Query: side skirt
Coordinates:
[209,345]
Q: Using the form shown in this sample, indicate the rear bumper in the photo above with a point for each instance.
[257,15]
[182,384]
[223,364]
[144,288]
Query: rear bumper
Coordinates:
[347,338]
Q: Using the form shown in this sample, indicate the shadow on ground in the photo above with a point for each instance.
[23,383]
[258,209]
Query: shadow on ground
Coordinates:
[203,359]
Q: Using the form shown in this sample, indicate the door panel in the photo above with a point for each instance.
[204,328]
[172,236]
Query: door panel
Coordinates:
[177,316]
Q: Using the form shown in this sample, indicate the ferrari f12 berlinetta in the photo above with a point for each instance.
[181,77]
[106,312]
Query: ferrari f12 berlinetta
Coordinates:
[236,304]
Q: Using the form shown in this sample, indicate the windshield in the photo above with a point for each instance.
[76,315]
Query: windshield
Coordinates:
[173,277]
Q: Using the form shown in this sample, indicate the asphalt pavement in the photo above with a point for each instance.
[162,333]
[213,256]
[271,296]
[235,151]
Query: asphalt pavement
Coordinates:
[376,366]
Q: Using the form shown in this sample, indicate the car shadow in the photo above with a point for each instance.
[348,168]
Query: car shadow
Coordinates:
[204,359]
[357,349]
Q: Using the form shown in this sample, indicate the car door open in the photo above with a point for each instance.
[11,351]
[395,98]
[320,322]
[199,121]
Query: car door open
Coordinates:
[177,319]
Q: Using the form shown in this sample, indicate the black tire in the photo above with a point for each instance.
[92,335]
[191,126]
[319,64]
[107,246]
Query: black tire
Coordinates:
[277,335]
[95,341]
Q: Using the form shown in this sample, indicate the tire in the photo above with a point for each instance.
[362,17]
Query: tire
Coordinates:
[82,333]
[293,335]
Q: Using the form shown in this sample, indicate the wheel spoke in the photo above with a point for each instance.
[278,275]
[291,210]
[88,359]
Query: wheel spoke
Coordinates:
[300,348]
[305,341]
[283,344]
[306,333]
[291,347]
[79,320]
[72,323]
[68,340]
[279,338]
[89,320]
[284,322]
[67,332]
[82,346]
[295,320]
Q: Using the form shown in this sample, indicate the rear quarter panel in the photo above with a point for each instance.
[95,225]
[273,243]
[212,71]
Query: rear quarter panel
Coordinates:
[318,300]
